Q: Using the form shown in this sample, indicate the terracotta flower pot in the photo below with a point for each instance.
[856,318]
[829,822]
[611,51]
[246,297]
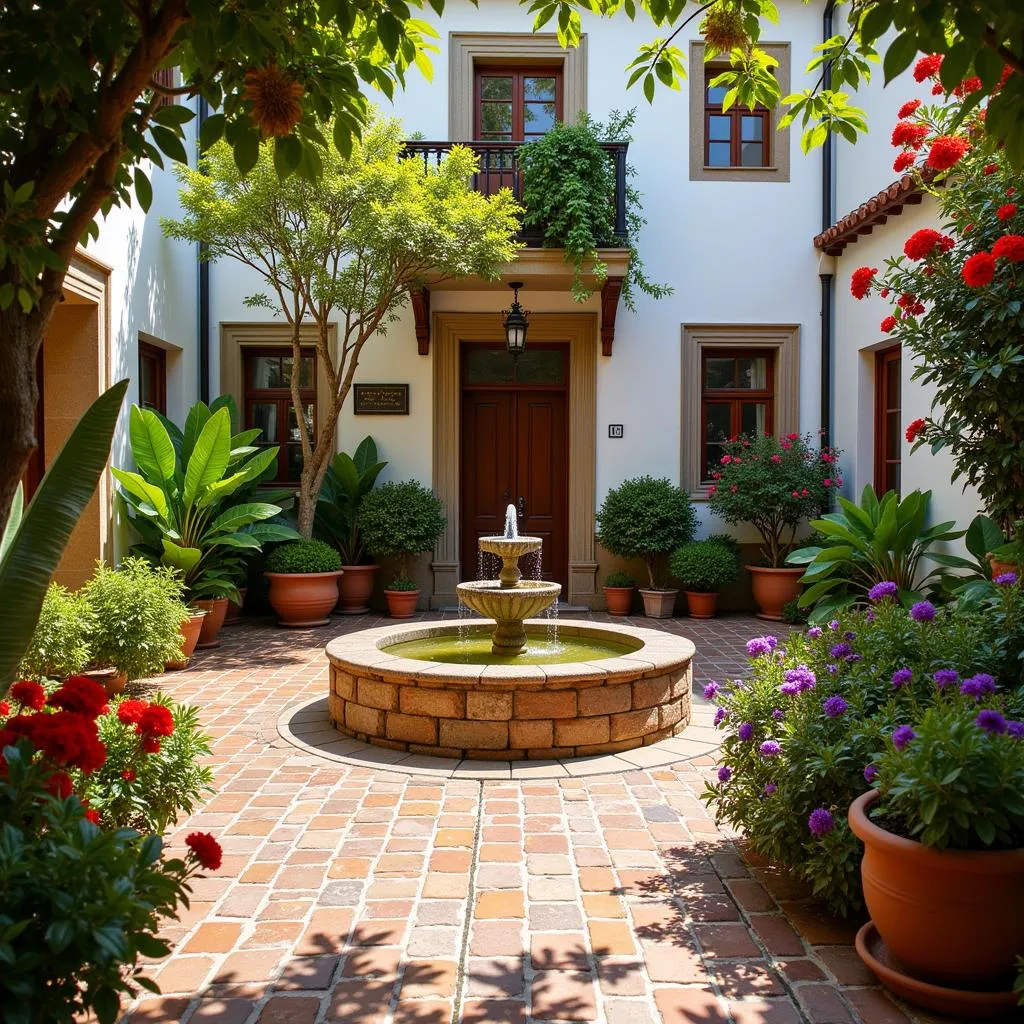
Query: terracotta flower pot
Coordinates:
[702,604]
[402,603]
[234,615]
[659,604]
[303,598]
[998,567]
[216,609]
[110,679]
[619,599]
[773,588]
[954,917]
[190,630]
[355,588]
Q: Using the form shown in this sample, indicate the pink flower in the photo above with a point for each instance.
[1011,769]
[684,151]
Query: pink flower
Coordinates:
[776,458]
[734,488]
[827,482]
[804,493]
[726,459]
[785,446]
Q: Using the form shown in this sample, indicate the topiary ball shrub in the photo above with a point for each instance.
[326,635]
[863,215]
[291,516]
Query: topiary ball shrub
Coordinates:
[704,566]
[401,519]
[304,556]
[619,579]
[644,518]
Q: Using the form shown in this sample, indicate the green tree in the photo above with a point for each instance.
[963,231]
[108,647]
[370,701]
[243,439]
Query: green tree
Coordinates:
[345,249]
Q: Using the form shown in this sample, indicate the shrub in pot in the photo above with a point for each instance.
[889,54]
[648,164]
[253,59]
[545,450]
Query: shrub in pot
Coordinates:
[399,520]
[773,484]
[303,576]
[704,567]
[647,518]
[618,592]
[60,643]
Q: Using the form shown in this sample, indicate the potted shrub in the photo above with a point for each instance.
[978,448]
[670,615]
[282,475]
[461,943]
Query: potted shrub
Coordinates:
[647,518]
[1009,557]
[60,644]
[303,576]
[943,834]
[773,484]
[348,480]
[618,592]
[704,567]
[399,520]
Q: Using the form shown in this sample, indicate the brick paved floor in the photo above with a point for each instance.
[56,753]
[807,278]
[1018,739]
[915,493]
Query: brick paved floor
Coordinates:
[365,896]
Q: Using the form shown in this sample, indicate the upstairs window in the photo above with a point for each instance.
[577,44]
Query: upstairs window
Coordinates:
[737,137]
[516,104]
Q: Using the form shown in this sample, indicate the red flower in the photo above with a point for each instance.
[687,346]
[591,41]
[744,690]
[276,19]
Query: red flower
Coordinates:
[93,816]
[921,243]
[906,301]
[792,437]
[1010,191]
[990,169]
[903,161]
[776,458]
[128,775]
[733,488]
[927,66]
[82,695]
[130,711]
[1007,71]
[887,324]
[1006,211]
[64,737]
[5,709]
[206,849]
[712,489]
[909,135]
[156,720]
[59,784]
[29,694]
[884,293]
[908,108]
[804,493]
[937,89]
[979,270]
[860,282]
[946,151]
[1009,247]
[726,459]
[827,482]
[914,429]
[968,85]
[150,745]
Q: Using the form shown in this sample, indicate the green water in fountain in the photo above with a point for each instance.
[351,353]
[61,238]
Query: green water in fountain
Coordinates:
[475,649]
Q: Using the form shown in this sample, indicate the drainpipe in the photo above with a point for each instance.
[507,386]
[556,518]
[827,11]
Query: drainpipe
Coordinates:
[203,289]
[827,219]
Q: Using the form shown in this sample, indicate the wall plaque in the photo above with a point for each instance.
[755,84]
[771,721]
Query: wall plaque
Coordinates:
[381,400]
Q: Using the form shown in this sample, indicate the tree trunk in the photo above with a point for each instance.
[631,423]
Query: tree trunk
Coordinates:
[307,511]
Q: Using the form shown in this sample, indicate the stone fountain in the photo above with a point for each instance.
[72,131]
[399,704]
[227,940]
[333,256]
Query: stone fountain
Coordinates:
[510,599]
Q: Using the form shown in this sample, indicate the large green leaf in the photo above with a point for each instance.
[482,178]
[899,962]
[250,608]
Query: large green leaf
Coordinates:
[196,419]
[134,484]
[152,448]
[35,552]
[983,536]
[209,457]
[14,521]
[271,533]
[227,402]
[185,559]
[237,516]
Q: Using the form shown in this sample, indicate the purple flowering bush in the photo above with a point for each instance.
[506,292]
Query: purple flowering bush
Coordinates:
[811,727]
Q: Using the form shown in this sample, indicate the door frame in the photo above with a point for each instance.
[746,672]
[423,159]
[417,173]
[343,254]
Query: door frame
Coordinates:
[579,330]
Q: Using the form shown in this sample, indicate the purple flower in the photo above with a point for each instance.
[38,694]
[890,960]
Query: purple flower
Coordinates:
[902,736]
[746,731]
[840,651]
[901,677]
[990,721]
[790,689]
[814,632]
[720,716]
[801,677]
[978,686]
[849,635]
[835,706]
[853,658]
[778,714]
[870,772]
[923,611]
[1015,730]
[821,822]
[831,669]
[770,748]
[870,617]
[1006,579]
[769,789]
[880,591]
[724,774]
[834,624]
[946,677]
[761,645]
[711,691]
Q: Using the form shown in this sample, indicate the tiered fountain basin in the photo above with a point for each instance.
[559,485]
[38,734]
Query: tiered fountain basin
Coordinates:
[620,688]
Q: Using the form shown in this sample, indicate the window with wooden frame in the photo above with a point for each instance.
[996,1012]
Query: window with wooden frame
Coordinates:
[888,419]
[737,137]
[737,397]
[516,104]
[268,403]
[152,377]
[168,78]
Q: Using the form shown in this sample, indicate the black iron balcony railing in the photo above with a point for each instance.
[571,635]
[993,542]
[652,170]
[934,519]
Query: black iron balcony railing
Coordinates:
[499,168]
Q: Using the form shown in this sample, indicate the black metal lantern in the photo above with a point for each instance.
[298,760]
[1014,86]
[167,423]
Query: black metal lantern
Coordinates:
[515,324]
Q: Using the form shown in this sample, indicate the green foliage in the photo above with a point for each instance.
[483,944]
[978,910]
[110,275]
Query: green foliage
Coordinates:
[60,643]
[619,579]
[33,543]
[137,612]
[1013,552]
[877,540]
[569,195]
[773,484]
[793,614]
[80,905]
[348,480]
[304,556]
[955,785]
[644,518]
[401,519]
[403,583]
[166,785]
[704,566]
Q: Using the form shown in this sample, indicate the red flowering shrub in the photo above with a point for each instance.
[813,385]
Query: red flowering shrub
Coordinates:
[967,86]
[921,243]
[28,694]
[887,325]
[1009,247]
[979,269]
[946,151]
[905,160]
[909,134]
[927,66]
[860,283]
[156,720]
[81,694]
[913,429]
[908,108]
[206,849]
[1006,211]
[990,169]
[130,711]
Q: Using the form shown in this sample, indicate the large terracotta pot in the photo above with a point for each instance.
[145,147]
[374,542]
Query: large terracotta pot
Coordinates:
[110,679]
[702,605]
[619,599]
[659,604]
[234,615]
[773,588]
[402,603]
[355,588]
[190,630]
[303,598]
[954,917]
[216,609]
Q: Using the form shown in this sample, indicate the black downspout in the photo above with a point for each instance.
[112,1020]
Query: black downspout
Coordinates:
[203,286]
[827,219]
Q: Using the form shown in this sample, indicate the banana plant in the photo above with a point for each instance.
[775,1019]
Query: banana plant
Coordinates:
[880,539]
[349,478]
[192,501]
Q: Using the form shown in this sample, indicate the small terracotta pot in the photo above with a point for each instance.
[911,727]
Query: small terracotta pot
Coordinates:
[216,609]
[303,598]
[702,604]
[773,588]
[619,599]
[998,568]
[190,630]
[954,917]
[234,615]
[402,603]
[355,588]
[659,604]
[110,679]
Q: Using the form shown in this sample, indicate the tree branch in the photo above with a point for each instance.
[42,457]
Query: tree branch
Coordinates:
[992,41]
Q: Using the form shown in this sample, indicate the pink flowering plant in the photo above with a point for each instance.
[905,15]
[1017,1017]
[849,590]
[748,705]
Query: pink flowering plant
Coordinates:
[775,484]
[957,289]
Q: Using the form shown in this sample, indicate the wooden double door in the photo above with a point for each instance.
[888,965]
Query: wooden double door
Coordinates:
[515,450]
